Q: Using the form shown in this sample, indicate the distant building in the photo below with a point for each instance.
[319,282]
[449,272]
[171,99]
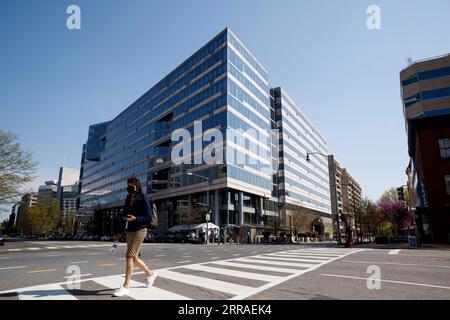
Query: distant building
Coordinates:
[48,190]
[28,200]
[345,194]
[425,90]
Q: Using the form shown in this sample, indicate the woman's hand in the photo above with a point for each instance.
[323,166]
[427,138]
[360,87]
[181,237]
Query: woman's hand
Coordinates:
[131,218]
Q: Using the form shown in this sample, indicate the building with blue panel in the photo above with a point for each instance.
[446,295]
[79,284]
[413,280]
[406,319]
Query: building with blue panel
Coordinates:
[217,106]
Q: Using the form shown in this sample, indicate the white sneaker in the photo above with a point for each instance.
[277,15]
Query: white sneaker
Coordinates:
[151,279]
[122,292]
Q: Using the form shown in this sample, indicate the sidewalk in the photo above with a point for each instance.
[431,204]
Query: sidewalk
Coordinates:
[393,246]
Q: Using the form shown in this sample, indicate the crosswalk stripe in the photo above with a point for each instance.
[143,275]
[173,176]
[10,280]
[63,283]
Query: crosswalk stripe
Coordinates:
[45,292]
[276,263]
[235,273]
[255,267]
[138,290]
[330,255]
[293,259]
[297,256]
[319,254]
[284,264]
[216,285]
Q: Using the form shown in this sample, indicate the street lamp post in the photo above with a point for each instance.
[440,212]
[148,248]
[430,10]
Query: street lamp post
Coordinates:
[207,200]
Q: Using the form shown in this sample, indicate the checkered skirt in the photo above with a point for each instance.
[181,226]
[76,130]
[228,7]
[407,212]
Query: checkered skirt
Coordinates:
[134,241]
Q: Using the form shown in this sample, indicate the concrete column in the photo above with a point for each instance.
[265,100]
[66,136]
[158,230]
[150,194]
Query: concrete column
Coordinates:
[216,207]
[261,209]
[241,208]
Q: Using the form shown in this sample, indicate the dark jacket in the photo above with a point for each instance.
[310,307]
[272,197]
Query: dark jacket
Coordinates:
[141,209]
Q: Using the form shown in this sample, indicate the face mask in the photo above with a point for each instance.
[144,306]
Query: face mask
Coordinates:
[131,189]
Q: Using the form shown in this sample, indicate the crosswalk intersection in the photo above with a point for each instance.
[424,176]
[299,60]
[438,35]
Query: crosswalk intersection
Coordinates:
[235,279]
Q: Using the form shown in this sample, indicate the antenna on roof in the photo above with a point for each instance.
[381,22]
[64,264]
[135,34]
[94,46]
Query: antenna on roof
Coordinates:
[409,61]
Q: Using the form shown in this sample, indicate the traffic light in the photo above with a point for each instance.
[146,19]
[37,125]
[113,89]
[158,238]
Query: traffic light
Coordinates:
[401,194]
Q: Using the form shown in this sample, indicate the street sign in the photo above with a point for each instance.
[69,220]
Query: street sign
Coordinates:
[208,217]
[412,242]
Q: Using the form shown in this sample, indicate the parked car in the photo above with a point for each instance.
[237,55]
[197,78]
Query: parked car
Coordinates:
[2,240]
[149,238]
[106,238]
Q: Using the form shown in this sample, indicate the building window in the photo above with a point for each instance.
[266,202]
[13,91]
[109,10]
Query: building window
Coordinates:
[412,100]
[447,184]
[444,148]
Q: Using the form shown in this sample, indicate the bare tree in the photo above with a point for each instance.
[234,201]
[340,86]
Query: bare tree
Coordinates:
[190,216]
[302,220]
[16,167]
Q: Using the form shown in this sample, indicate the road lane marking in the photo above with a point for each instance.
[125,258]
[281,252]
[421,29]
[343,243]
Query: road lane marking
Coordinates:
[215,257]
[399,264]
[78,262]
[5,258]
[78,275]
[106,264]
[396,251]
[389,281]
[237,254]
[160,255]
[185,261]
[41,270]
[8,268]
[14,250]
[34,248]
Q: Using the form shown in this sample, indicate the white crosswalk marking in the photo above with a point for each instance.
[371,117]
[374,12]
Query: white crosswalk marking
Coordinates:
[296,256]
[45,292]
[138,290]
[254,267]
[275,263]
[211,284]
[284,265]
[234,273]
[294,259]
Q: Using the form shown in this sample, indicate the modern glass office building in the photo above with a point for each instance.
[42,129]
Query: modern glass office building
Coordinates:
[303,185]
[221,88]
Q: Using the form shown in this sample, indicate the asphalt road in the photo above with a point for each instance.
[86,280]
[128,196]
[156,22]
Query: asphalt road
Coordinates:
[44,270]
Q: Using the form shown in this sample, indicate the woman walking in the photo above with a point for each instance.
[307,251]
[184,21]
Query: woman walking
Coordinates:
[137,212]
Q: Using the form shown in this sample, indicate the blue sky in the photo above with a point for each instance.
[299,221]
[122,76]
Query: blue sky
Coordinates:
[55,82]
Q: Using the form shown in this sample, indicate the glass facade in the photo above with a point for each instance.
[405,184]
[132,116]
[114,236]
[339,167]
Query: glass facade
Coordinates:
[301,183]
[226,88]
